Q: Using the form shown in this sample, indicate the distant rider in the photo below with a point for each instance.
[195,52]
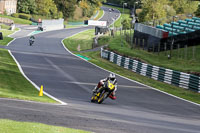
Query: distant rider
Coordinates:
[31,40]
[112,78]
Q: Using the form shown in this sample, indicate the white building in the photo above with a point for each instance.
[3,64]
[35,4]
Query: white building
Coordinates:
[8,6]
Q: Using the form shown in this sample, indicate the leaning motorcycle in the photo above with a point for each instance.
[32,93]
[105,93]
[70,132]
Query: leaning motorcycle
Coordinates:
[31,42]
[103,92]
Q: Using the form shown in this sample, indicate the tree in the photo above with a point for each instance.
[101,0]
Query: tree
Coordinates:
[27,6]
[170,10]
[67,7]
[85,7]
[130,3]
[126,24]
[47,8]
[197,13]
[96,3]
[153,10]
[185,6]
[90,6]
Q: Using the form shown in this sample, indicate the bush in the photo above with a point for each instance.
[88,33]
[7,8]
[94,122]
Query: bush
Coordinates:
[126,24]
[25,16]
[16,15]
[103,40]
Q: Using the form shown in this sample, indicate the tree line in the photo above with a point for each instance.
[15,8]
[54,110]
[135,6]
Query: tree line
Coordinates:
[58,8]
[147,10]
[156,9]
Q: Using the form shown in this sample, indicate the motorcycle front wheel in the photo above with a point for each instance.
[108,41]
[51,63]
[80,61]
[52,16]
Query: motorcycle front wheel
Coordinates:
[93,99]
[102,97]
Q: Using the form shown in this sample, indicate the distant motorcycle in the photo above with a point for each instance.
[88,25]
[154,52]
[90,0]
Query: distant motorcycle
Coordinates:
[103,92]
[31,42]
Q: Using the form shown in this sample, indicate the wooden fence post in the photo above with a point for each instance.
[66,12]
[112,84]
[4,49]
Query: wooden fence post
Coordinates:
[135,42]
[143,43]
[153,47]
[193,51]
[165,48]
[138,42]
[158,48]
[186,52]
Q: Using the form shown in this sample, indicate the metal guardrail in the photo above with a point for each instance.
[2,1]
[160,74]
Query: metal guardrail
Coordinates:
[180,79]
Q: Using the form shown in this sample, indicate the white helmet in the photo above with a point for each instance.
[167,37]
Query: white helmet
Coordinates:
[111,76]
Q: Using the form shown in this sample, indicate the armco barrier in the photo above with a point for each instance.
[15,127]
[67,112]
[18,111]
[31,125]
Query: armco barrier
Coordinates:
[183,80]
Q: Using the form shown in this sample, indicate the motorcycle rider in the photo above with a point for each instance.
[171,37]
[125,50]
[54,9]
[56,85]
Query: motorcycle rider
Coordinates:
[31,40]
[112,78]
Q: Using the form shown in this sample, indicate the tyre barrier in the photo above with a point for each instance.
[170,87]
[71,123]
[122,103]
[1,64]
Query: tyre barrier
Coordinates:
[180,79]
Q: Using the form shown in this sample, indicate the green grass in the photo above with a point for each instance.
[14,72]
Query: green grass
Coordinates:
[9,126]
[17,20]
[13,84]
[115,43]
[5,40]
[3,26]
[5,33]
[99,15]
[125,15]
[103,40]
[73,26]
[179,64]
[83,39]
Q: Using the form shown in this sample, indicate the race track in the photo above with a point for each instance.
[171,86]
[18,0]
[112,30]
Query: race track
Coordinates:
[138,109]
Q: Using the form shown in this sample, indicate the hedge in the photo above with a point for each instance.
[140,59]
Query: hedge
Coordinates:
[21,15]
[24,16]
[16,15]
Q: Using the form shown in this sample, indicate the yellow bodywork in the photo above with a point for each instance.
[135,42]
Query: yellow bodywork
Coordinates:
[97,97]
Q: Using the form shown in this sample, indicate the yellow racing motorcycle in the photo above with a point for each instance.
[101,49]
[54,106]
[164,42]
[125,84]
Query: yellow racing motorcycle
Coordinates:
[103,92]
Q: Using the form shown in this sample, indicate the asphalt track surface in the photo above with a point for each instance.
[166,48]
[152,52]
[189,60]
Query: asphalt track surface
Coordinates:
[138,109]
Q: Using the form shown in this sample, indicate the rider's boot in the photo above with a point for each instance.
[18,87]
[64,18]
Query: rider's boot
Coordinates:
[112,96]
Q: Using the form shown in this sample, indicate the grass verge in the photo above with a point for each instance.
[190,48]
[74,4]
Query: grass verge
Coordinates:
[81,41]
[13,84]
[3,26]
[175,63]
[73,26]
[99,15]
[5,33]
[17,20]
[96,59]
[5,40]
[9,126]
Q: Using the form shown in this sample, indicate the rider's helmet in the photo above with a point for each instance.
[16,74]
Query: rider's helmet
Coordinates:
[32,37]
[111,76]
